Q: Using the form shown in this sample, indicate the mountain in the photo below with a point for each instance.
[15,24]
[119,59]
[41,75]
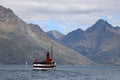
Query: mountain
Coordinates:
[55,35]
[99,43]
[21,42]
[70,39]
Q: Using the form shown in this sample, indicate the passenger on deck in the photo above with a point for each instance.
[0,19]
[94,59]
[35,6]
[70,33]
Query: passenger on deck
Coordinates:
[35,60]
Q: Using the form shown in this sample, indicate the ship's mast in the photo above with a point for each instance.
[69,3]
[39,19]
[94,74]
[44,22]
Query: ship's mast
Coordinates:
[51,52]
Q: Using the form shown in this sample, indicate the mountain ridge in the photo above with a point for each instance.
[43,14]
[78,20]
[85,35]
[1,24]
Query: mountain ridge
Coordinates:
[21,42]
[55,35]
[99,43]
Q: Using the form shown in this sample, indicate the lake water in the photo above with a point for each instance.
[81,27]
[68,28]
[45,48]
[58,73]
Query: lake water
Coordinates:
[21,72]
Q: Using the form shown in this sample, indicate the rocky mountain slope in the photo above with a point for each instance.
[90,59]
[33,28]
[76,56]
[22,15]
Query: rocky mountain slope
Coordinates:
[100,43]
[55,35]
[21,42]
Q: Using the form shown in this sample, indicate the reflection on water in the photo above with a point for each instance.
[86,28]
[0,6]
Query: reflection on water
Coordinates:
[21,72]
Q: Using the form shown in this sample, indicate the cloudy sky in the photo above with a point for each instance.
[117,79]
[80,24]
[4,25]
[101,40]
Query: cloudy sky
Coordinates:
[65,15]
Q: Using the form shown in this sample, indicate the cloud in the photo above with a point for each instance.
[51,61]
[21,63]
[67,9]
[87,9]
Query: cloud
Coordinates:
[66,12]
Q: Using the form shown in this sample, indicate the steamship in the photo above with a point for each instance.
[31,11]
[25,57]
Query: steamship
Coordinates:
[47,64]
